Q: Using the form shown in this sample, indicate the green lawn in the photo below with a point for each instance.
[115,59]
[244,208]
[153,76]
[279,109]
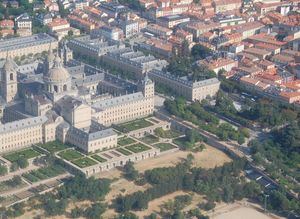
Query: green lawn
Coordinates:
[169,134]
[150,139]
[136,148]
[133,125]
[54,146]
[84,162]
[98,158]
[70,155]
[44,173]
[164,146]
[123,151]
[27,154]
[125,141]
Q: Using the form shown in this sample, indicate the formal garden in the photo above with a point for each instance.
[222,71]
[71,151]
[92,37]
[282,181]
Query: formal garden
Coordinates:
[125,141]
[137,148]
[24,154]
[98,158]
[43,173]
[133,125]
[164,146]
[149,139]
[70,155]
[123,151]
[84,162]
[53,146]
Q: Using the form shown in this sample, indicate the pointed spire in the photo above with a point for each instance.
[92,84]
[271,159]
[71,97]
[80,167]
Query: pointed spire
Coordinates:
[9,63]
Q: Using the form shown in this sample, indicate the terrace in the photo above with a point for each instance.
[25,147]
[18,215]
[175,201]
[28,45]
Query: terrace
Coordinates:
[54,146]
[84,162]
[28,153]
[137,148]
[133,125]
[70,155]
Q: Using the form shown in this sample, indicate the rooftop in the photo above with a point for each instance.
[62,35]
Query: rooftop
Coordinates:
[22,124]
[23,42]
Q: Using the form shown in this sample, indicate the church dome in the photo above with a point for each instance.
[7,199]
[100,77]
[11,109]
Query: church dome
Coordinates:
[58,73]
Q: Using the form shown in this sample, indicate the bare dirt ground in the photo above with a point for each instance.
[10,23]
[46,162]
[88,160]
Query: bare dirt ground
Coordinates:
[155,205]
[208,158]
[238,210]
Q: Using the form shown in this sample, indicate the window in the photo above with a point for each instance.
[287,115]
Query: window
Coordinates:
[11,76]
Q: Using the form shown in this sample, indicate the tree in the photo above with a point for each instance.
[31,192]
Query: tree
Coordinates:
[152,216]
[159,132]
[3,170]
[200,52]
[241,140]
[127,215]
[22,162]
[15,181]
[14,167]
[95,211]
[77,212]
[129,171]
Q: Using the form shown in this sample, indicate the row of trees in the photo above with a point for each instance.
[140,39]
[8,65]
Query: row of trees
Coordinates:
[197,114]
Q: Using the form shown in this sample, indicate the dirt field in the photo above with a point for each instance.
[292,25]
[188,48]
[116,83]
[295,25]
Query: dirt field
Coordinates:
[240,210]
[208,158]
[154,205]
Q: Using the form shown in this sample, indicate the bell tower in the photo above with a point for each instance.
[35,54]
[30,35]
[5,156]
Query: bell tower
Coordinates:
[9,83]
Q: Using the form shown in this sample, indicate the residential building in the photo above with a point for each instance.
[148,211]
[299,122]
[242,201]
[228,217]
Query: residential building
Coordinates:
[225,64]
[172,20]
[23,25]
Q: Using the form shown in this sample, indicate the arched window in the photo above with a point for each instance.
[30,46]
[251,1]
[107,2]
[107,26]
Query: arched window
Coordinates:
[55,88]
[65,87]
[11,76]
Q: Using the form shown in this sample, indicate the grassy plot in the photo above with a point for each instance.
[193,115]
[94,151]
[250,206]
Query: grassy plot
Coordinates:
[84,162]
[54,146]
[133,125]
[164,146]
[123,151]
[27,154]
[98,158]
[43,173]
[137,148]
[150,139]
[125,141]
[70,155]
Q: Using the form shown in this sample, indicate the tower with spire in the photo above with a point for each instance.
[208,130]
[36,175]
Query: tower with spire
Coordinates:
[146,86]
[9,83]
[49,61]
